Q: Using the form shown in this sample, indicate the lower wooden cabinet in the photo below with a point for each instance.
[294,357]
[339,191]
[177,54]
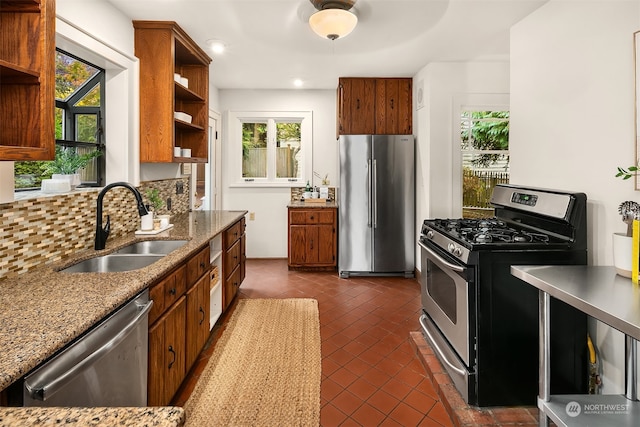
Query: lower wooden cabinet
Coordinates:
[178,326]
[312,238]
[197,319]
[179,319]
[167,366]
[233,260]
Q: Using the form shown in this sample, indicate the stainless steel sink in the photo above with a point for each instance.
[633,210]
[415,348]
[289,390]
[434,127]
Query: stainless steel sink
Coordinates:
[161,247]
[113,263]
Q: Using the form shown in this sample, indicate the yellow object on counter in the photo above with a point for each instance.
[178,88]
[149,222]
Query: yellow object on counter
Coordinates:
[635,251]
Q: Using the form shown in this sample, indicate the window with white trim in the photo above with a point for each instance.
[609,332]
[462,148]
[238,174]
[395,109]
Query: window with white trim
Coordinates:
[484,145]
[270,148]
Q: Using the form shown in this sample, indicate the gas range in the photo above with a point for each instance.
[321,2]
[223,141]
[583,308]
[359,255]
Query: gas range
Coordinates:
[481,321]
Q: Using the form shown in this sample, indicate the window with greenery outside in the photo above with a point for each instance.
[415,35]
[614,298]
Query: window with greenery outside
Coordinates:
[79,112]
[255,151]
[485,158]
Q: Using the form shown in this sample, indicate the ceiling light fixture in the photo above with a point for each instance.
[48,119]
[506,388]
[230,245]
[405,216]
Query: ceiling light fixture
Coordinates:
[333,19]
[216,46]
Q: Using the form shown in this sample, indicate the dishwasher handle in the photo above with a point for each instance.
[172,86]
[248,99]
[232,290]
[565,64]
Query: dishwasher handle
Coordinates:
[42,392]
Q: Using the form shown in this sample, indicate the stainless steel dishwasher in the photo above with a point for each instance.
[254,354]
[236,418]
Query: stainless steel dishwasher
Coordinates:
[105,367]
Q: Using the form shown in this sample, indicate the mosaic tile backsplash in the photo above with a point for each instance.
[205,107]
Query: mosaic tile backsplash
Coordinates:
[297,193]
[43,230]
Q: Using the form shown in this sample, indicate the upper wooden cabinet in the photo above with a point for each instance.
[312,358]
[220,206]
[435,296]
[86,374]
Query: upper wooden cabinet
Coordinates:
[164,49]
[27,67]
[356,103]
[381,106]
[394,107]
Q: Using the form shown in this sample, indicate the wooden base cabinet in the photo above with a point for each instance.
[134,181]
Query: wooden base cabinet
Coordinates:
[197,318]
[233,260]
[312,238]
[179,326]
[167,355]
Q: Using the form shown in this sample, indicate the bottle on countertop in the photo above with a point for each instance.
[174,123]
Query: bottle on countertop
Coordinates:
[308,187]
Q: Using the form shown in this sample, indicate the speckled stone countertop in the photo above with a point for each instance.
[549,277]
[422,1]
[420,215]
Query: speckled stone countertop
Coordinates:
[103,417]
[301,204]
[46,309]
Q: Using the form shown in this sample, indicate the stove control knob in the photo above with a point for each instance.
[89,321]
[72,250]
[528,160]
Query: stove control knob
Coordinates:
[430,234]
[455,250]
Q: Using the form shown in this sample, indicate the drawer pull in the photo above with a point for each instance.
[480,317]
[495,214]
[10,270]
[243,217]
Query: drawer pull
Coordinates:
[172,351]
[202,265]
[172,291]
[311,243]
[203,313]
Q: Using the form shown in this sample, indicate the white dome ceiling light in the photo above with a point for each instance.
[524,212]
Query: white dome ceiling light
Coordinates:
[333,19]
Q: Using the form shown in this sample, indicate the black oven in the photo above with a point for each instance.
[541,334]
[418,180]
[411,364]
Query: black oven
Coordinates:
[480,320]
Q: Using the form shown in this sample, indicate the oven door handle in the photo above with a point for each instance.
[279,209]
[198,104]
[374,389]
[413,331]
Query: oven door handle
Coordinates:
[442,260]
[425,329]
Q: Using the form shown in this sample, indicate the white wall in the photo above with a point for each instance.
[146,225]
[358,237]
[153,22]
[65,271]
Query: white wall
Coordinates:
[267,234]
[572,120]
[438,186]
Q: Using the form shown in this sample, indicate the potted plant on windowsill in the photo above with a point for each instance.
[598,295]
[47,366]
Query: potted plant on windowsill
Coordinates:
[67,163]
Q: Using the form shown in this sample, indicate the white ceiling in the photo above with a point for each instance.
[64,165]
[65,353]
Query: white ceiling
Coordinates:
[269,42]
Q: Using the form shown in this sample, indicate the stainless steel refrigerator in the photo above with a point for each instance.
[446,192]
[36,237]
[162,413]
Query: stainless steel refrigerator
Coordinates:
[376,205]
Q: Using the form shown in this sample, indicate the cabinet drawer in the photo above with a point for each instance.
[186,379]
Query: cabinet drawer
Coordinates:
[232,258]
[197,266]
[311,216]
[166,292]
[233,233]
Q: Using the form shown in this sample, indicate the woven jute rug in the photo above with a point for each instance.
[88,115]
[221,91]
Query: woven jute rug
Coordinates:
[265,368]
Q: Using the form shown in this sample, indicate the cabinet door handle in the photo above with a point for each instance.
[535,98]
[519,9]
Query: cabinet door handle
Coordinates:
[311,243]
[203,313]
[311,217]
[172,291]
[172,351]
[358,103]
[392,103]
[202,265]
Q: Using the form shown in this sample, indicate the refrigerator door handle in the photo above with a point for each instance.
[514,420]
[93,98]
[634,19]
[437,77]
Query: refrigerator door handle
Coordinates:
[369,193]
[374,189]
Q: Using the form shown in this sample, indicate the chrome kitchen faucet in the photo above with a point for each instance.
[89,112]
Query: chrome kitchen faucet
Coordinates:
[103,233]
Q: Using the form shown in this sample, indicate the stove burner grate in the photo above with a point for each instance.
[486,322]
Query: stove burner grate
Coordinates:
[487,230]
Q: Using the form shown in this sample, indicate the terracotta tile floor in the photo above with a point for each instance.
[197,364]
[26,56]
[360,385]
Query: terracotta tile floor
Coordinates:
[374,370]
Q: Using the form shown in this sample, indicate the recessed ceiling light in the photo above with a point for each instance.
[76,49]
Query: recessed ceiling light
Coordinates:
[298,83]
[216,46]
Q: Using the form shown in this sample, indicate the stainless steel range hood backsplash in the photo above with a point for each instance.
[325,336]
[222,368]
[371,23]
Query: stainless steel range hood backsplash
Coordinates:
[39,231]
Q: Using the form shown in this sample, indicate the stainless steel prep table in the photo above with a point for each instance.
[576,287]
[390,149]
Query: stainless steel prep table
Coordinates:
[600,293]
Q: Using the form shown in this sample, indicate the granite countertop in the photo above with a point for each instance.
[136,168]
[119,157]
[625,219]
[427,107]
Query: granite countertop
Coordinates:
[104,417]
[44,310]
[301,204]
